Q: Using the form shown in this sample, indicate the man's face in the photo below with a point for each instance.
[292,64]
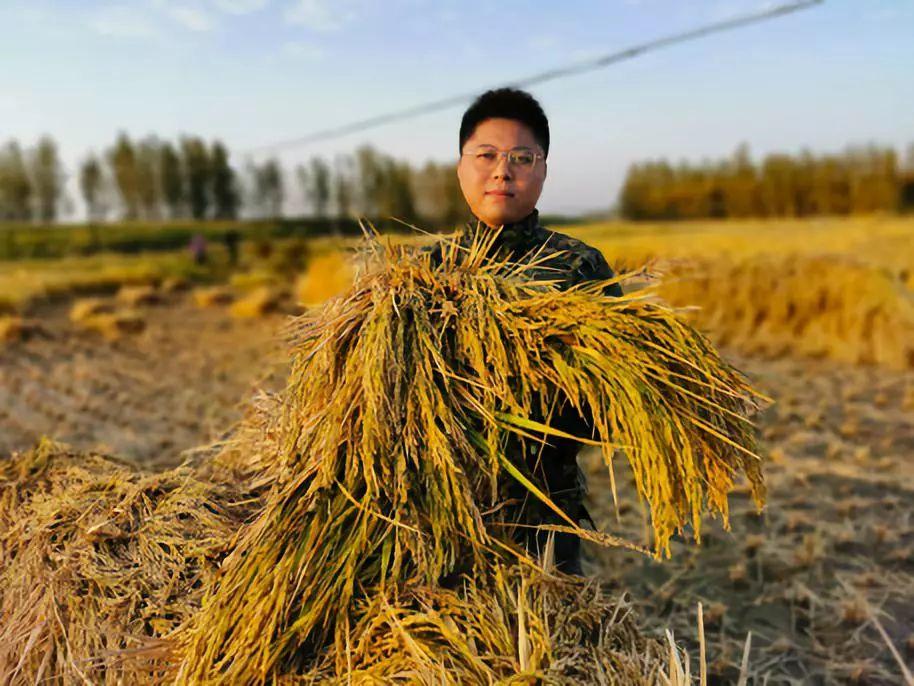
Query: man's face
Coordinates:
[502,192]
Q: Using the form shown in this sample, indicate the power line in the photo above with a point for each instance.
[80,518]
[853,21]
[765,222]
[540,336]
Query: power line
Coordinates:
[552,74]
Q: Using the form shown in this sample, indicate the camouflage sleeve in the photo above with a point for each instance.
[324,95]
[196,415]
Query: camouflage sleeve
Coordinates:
[594,267]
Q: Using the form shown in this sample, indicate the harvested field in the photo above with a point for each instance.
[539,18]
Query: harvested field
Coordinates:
[835,543]
[176,385]
[815,577]
[838,480]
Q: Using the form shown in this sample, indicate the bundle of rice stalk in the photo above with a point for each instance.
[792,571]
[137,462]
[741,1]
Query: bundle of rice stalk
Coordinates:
[409,399]
[257,303]
[137,296]
[114,325]
[515,625]
[14,328]
[327,276]
[98,559]
[174,284]
[84,308]
[213,296]
[817,306]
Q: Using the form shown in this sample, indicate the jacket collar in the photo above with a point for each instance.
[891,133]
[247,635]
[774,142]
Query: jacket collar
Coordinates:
[514,233]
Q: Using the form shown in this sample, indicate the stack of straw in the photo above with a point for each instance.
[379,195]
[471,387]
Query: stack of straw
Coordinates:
[98,559]
[386,549]
[820,306]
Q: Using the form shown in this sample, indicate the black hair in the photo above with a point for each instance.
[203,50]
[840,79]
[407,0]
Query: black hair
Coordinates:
[507,103]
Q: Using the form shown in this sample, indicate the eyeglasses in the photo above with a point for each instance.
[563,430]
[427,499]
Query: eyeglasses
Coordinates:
[485,158]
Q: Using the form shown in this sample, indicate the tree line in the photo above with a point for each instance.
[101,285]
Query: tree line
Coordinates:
[152,179]
[862,179]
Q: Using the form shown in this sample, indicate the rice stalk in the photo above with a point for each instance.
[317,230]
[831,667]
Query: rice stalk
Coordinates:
[395,459]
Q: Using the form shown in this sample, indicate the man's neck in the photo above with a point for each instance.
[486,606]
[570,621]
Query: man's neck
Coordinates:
[521,227]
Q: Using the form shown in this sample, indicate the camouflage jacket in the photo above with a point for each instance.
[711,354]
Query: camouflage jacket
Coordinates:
[572,262]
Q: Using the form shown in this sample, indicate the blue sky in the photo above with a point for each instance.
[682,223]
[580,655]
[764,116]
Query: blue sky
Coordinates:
[257,71]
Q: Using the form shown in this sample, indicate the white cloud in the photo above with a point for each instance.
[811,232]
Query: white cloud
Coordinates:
[121,21]
[192,18]
[320,15]
[240,6]
[543,42]
[729,9]
[302,50]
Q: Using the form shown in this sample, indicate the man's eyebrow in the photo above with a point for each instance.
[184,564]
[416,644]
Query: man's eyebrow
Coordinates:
[517,147]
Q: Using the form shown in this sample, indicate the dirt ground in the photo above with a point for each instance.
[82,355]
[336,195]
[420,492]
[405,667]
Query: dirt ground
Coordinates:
[833,549]
[177,385]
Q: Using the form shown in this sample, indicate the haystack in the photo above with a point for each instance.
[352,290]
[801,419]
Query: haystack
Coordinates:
[174,284]
[819,306]
[258,303]
[327,275]
[98,560]
[114,325]
[388,546]
[213,296]
[15,328]
[84,308]
[139,296]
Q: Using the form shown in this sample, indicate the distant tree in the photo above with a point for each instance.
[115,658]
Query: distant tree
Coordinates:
[225,190]
[778,181]
[91,183]
[267,189]
[122,158]
[15,187]
[741,186]
[396,193]
[171,181]
[437,195]
[632,196]
[906,184]
[369,180]
[342,186]
[385,185]
[455,205]
[861,179]
[148,177]
[197,165]
[315,181]
[804,185]
[874,179]
[47,179]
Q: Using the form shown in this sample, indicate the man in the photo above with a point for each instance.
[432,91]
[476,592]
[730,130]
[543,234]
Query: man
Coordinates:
[504,142]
